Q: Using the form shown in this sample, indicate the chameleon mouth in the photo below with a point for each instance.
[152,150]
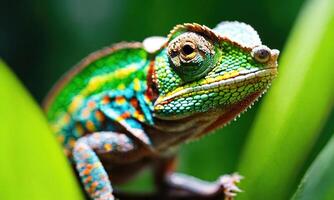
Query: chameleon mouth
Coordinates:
[268,72]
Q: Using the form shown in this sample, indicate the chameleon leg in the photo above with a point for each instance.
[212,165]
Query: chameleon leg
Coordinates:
[182,186]
[92,174]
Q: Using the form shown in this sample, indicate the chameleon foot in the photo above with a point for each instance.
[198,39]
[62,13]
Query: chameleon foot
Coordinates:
[228,184]
[91,171]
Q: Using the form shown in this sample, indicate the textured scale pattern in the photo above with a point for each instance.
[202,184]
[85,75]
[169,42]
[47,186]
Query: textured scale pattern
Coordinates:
[238,32]
[110,72]
[93,175]
[116,81]
[234,63]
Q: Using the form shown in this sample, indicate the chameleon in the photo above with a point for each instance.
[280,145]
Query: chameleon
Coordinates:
[132,104]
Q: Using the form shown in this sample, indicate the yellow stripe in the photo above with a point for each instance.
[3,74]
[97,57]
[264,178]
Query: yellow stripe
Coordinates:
[99,81]
[136,83]
[76,103]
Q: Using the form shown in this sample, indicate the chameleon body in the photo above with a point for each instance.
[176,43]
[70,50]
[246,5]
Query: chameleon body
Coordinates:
[132,104]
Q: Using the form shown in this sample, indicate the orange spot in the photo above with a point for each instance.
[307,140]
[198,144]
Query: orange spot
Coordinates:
[86,171]
[138,116]
[125,115]
[134,102]
[90,125]
[99,116]
[91,104]
[95,183]
[93,186]
[105,100]
[85,113]
[88,179]
[135,114]
[79,128]
[71,142]
[146,98]
[120,100]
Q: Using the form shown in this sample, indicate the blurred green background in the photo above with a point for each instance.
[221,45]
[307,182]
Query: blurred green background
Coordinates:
[40,40]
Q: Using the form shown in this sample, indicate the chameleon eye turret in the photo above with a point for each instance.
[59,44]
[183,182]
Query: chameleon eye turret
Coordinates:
[191,55]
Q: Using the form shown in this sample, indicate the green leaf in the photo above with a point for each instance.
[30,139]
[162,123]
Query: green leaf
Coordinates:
[32,163]
[295,109]
[318,183]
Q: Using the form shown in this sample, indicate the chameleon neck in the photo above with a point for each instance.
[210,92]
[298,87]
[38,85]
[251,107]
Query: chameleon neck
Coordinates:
[167,133]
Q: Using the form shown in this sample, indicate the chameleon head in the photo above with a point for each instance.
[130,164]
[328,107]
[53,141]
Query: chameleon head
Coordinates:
[220,70]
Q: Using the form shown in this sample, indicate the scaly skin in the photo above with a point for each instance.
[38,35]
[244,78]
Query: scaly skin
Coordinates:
[131,105]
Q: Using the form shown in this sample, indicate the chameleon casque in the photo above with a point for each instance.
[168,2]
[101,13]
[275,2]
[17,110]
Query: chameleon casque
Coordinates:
[132,104]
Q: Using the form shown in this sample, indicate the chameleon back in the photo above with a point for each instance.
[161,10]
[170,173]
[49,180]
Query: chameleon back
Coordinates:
[115,77]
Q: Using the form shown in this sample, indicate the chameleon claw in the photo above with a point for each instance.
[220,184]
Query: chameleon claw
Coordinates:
[228,183]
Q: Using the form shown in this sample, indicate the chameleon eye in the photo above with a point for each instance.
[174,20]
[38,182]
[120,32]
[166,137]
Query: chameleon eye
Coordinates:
[188,50]
[191,55]
[261,54]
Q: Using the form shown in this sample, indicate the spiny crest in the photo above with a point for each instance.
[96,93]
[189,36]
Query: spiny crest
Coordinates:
[194,27]
[237,33]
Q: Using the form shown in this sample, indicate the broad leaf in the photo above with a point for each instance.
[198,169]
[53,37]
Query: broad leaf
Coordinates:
[32,164]
[295,110]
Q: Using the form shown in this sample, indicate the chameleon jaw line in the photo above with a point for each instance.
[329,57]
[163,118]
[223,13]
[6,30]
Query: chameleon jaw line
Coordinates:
[272,71]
